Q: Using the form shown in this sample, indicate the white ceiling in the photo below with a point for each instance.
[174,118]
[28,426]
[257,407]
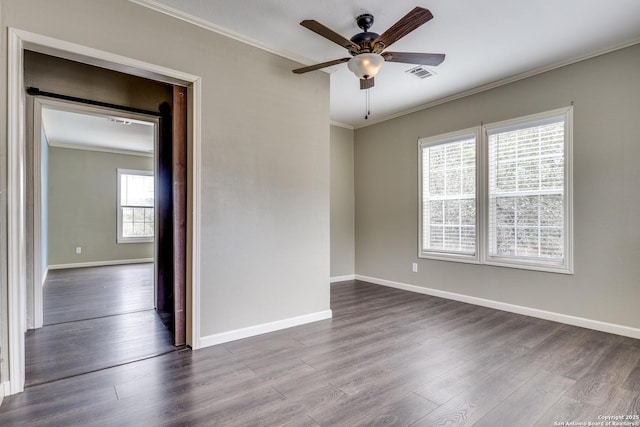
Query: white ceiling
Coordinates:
[485,41]
[97,132]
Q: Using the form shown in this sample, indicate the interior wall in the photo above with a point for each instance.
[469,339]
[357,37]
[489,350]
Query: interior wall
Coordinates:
[606,93]
[82,206]
[342,203]
[265,155]
[44,203]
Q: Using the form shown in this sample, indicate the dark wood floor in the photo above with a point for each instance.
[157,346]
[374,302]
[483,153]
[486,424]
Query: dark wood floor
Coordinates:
[95,318]
[86,293]
[387,357]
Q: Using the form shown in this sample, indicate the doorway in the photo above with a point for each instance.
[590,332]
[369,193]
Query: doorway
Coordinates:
[18,42]
[93,191]
[94,241]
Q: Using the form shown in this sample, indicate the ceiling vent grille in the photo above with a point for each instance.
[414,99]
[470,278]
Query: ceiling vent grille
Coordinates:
[119,121]
[420,72]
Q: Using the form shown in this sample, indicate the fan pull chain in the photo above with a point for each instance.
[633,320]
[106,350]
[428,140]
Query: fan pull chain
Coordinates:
[367,104]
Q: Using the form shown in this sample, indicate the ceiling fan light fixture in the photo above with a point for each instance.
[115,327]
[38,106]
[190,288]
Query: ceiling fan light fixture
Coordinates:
[365,65]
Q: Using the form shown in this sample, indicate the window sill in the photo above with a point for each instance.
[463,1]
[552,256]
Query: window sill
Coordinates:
[469,259]
[560,268]
[135,240]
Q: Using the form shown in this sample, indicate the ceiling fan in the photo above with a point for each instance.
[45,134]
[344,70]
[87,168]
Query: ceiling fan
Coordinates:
[367,48]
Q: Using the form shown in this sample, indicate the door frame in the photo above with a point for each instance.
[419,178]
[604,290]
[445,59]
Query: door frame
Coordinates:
[35,299]
[18,41]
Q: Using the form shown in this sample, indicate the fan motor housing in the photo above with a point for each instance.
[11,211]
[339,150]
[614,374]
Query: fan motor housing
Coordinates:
[364,40]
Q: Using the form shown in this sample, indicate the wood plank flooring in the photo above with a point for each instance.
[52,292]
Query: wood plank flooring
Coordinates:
[95,318]
[387,357]
[90,292]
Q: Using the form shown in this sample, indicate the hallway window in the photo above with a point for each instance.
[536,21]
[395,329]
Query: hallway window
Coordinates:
[135,206]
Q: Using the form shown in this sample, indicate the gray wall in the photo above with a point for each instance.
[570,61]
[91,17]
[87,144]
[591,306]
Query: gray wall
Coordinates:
[265,155]
[44,201]
[342,203]
[82,206]
[606,283]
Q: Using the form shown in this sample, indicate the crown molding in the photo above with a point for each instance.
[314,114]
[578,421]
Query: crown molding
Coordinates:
[498,83]
[202,23]
[341,125]
[167,10]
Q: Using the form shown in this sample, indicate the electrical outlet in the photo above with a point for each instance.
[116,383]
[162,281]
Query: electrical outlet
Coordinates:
[414,267]
[78,250]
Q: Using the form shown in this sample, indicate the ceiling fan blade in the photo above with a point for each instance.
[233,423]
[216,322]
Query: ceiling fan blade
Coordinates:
[329,34]
[367,83]
[319,66]
[404,26]
[432,59]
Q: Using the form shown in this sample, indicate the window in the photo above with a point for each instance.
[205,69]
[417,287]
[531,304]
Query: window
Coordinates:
[136,217]
[524,193]
[448,220]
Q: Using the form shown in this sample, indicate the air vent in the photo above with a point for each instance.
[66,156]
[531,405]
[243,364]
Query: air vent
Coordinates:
[420,72]
[120,121]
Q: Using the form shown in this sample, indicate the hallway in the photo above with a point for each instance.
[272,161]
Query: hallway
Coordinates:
[95,318]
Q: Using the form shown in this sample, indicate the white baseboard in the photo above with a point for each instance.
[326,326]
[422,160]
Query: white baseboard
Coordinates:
[263,328]
[518,309]
[99,263]
[335,279]
[5,390]
[44,275]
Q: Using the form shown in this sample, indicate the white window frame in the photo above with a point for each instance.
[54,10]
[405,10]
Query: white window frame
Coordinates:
[441,140]
[482,195]
[120,237]
[566,265]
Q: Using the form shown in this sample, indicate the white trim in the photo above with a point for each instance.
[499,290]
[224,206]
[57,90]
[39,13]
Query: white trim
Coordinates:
[5,390]
[582,322]
[195,116]
[341,125]
[16,256]
[335,279]
[99,263]
[497,83]
[264,328]
[18,41]
[87,55]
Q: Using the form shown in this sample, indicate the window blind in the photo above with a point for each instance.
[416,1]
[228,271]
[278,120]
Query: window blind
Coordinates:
[449,196]
[526,191]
